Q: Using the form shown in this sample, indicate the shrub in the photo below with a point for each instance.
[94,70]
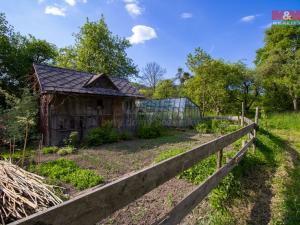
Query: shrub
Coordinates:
[67,171]
[168,154]
[66,150]
[150,130]
[73,139]
[216,126]
[125,135]
[101,135]
[202,128]
[49,150]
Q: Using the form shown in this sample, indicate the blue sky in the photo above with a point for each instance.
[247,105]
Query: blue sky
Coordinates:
[164,31]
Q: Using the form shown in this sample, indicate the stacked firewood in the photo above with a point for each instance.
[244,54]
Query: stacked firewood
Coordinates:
[22,193]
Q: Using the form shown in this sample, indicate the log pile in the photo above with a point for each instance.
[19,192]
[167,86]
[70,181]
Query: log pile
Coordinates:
[22,193]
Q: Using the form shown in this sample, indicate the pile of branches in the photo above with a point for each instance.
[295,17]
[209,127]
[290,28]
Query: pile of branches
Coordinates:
[22,193]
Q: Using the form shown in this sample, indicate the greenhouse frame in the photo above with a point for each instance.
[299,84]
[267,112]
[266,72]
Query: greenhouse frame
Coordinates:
[172,112]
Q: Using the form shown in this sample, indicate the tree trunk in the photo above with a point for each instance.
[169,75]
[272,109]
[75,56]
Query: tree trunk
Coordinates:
[25,143]
[295,104]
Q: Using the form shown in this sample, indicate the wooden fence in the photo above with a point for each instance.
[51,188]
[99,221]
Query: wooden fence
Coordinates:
[100,202]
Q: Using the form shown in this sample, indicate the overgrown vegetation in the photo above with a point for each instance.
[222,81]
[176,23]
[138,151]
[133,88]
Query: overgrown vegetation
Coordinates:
[153,129]
[101,135]
[216,126]
[64,170]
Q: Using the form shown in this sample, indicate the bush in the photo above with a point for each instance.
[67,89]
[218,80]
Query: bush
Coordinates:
[150,130]
[125,135]
[202,128]
[67,171]
[168,154]
[73,139]
[101,135]
[66,150]
[49,150]
[216,126]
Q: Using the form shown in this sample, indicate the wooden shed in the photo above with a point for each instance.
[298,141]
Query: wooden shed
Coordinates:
[71,100]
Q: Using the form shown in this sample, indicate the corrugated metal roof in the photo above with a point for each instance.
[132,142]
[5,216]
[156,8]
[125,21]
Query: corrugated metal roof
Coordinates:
[56,79]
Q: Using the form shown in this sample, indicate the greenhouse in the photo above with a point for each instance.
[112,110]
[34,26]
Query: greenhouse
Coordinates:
[172,112]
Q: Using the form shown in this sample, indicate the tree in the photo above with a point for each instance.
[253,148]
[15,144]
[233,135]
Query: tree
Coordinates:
[243,86]
[20,118]
[17,53]
[165,89]
[152,73]
[97,50]
[278,64]
[209,82]
[182,76]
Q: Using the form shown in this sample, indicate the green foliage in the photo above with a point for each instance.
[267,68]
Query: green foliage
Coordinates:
[21,114]
[125,135]
[66,150]
[67,171]
[203,127]
[218,86]
[101,135]
[150,130]
[165,89]
[216,126]
[168,154]
[200,171]
[73,139]
[278,66]
[49,150]
[97,50]
[17,54]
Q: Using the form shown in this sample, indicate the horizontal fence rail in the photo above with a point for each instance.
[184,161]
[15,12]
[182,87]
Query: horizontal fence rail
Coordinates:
[99,202]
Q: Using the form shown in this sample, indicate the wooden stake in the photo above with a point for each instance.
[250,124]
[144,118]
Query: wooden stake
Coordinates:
[255,128]
[219,158]
[243,114]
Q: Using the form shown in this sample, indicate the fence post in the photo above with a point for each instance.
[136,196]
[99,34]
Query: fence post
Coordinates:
[243,114]
[219,158]
[255,128]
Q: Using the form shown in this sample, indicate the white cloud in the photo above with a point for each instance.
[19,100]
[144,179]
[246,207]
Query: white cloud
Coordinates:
[250,18]
[133,9]
[141,33]
[55,10]
[186,15]
[71,2]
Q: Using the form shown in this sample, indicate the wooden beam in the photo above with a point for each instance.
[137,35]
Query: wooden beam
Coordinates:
[243,114]
[219,158]
[99,202]
[200,192]
[255,129]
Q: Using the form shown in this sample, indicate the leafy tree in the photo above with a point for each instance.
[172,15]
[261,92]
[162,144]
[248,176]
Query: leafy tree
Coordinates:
[243,86]
[97,50]
[165,89]
[208,86]
[20,118]
[182,76]
[152,73]
[278,65]
[17,53]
